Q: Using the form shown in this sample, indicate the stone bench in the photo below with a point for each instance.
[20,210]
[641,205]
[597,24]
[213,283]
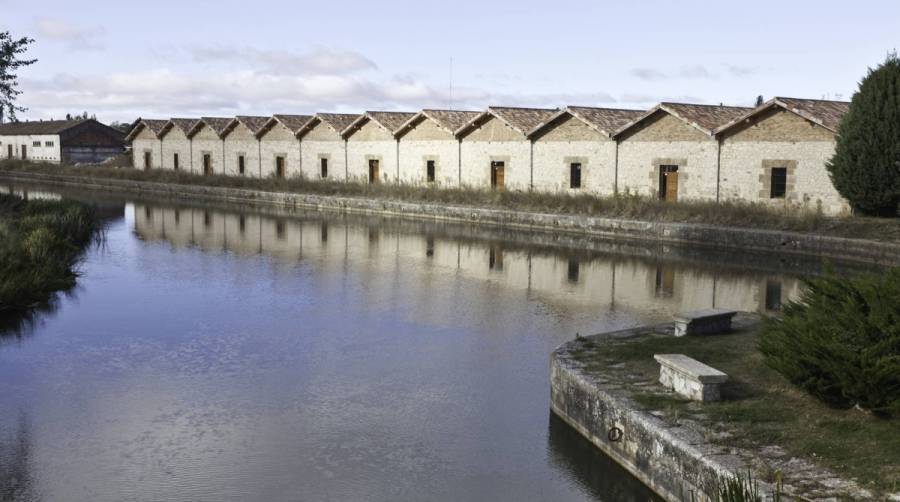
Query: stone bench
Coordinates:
[690,378]
[701,322]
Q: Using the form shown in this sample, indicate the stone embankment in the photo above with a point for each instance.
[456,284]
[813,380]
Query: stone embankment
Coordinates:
[746,239]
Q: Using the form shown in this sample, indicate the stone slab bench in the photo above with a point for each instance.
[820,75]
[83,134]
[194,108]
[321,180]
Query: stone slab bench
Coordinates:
[690,378]
[701,322]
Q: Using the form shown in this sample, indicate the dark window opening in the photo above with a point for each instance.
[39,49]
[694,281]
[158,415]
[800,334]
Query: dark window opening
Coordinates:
[495,258]
[665,281]
[429,171]
[241,167]
[177,217]
[778,183]
[207,164]
[429,246]
[207,219]
[324,232]
[279,229]
[242,223]
[279,167]
[324,167]
[147,157]
[773,294]
[574,269]
[575,175]
[175,161]
[373,236]
[148,213]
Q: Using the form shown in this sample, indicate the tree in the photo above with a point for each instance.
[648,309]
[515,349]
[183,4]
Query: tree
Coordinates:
[865,168]
[10,61]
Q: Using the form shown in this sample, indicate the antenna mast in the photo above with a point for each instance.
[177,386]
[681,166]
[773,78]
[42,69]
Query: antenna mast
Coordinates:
[451,83]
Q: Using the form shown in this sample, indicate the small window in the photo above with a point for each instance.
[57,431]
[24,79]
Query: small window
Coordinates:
[575,175]
[148,213]
[242,223]
[35,143]
[241,165]
[429,170]
[177,217]
[175,161]
[773,295]
[48,143]
[324,166]
[574,269]
[207,219]
[279,229]
[778,183]
[495,258]
[279,167]
[324,232]
[429,246]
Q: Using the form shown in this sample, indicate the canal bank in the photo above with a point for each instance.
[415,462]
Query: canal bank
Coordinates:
[769,241]
[605,387]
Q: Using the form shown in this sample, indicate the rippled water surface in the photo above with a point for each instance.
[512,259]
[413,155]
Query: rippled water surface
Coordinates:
[210,354]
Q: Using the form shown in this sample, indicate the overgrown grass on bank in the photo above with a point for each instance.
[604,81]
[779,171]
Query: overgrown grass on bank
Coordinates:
[623,206]
[760,407]
[40,244]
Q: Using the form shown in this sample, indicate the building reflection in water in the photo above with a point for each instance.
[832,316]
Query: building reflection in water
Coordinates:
[16,477]
[636,276]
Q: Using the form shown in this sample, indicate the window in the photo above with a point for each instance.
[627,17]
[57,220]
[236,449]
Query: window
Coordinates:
[429,171]
[574,269]
[207,164]
[242,223]
[279,229]
[429,246]
[279,167]
[207,219]
[148,213]
[324,166]
[35,143]
[48,143]
[175,161]
[575,175]
[324,233]
[241,165]
[177,217]
[778,183]
[773,295]
[495,258]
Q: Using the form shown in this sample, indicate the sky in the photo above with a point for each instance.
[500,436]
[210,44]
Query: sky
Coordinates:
[122,60]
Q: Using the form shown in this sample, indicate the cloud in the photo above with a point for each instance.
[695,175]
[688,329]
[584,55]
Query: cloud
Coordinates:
[647,74]
[692,72]
[319,60]
[75,37]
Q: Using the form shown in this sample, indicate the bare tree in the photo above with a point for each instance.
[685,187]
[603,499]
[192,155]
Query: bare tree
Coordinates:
[10,60]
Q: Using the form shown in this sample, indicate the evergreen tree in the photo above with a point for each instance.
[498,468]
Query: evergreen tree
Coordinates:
[865,168]
[10,50]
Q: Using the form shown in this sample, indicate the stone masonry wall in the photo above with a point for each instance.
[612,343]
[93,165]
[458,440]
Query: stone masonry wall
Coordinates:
[206,141]
[323,142]
[176,141]
[241,141]
[427,141]
[279,141]
[639,163]
[368,143]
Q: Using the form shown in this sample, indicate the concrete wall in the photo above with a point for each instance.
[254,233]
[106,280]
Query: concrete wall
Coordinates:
[495,141]
[427,141]
[241,142]
[47,149]
[176,141]
[206,141]
[323,142]
[146,141]
[371,141]
[667,140]
[279,141]
[781,139]
[568,141]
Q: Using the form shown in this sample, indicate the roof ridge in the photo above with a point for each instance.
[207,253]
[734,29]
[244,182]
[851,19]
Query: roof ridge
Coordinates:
[812,99]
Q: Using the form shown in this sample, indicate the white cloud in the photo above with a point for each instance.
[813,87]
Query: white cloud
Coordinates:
[691,72]
[319,60]
[75,37]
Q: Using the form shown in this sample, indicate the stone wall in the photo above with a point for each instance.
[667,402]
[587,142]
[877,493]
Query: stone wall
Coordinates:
[371,142]
[207,142]
[428,141]
[146,141]
[279,141]
[176,141]
[240,141]
[323,142]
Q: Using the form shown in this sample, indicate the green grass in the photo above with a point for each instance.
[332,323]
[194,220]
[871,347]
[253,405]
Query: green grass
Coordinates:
[40,244]
[760,407]
[622,206]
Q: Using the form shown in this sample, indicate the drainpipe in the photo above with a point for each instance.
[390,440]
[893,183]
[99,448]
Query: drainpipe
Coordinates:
[616,168]
[259,157]
[531,164]
[346,171]
[223,157]
[300,160]
[718,167]
[191,153]
[398,160]
[459,162]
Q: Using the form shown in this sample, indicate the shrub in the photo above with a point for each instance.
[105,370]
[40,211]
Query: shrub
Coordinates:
[866,164]
[841,341]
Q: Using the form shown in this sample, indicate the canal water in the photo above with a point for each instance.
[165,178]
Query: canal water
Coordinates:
[215,353]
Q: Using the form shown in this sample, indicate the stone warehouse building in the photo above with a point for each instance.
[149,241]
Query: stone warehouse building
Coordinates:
[773,154]
[60,141]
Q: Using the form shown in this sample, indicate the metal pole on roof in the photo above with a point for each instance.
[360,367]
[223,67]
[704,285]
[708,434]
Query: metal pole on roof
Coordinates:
[451,83]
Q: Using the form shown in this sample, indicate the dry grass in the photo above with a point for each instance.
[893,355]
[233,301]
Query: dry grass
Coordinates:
[623,206]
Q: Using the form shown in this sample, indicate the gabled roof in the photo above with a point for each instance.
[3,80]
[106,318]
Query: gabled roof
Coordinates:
[254,123]
[37,127]
[294,123]
[705,118]
[186,125]
[390,121]
[155,126]
[448,120]
[337,121]
[523,120]
[827,114]
[603,120]
[218,124]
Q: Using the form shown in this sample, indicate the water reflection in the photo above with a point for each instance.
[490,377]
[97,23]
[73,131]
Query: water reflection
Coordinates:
[615,277]
[16,478]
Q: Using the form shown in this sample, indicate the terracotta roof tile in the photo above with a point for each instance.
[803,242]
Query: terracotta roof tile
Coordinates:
[607,120]
[184,124]
[523,119]
[338,121]
[294,122]
[392,121]
[217,124]
[707,117]
[827,113]
[451,120]
[254,123]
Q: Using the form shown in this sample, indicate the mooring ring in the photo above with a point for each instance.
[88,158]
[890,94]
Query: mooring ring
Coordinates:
[615,434]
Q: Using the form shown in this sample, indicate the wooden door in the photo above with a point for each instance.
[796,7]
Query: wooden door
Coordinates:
[279,167]
[374,171]
[147,158]
[498,175]
[668,183]
[24,152]
[9,151]
[207,164]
